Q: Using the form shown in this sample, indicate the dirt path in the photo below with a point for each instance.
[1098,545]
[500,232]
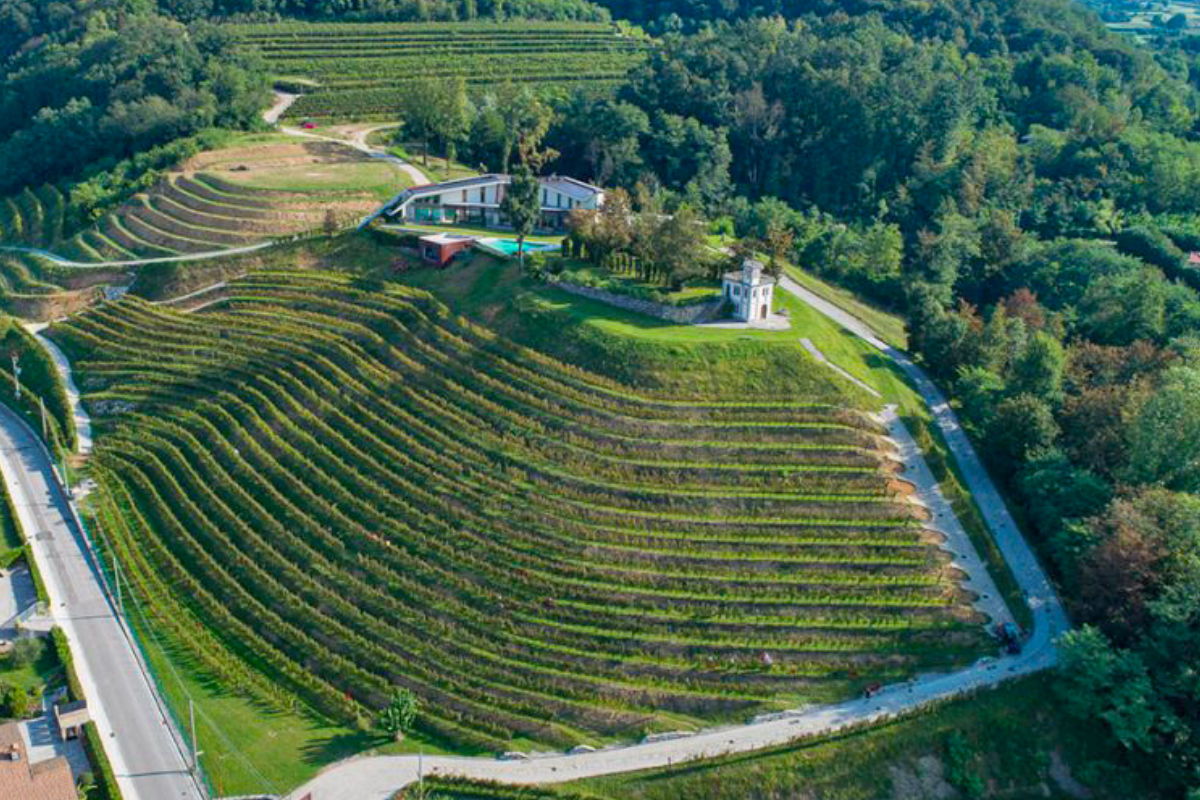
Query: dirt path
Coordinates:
[283,101]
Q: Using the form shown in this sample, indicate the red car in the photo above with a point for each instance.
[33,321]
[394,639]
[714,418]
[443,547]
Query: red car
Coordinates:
[308,126]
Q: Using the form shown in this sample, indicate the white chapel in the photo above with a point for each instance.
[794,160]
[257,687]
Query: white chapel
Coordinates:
[749,291]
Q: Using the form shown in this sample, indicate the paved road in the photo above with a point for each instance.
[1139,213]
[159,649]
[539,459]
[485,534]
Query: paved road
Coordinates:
[139,742]
[1049,617]
[83,423]
[375,778]
[137,262]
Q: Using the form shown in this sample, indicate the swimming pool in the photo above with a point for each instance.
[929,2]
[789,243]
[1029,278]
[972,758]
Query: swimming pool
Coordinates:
[509,247]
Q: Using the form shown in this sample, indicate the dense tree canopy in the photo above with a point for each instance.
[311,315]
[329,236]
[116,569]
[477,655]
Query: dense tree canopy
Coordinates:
[108,82]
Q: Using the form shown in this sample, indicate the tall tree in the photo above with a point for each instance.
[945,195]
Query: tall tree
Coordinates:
[522,206]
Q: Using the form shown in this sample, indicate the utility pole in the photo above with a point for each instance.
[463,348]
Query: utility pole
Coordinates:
[196,753]
[117,580]
[16,362]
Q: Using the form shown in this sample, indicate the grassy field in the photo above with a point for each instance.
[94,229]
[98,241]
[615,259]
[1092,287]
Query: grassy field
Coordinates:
[435,167]
[361,68]
[585,562]
[260,187]
[659,355]
[890,327]
[34,677]
[1000,744]
[373,177]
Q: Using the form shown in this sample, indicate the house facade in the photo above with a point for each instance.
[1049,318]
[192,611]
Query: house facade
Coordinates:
[476,202]
[440,249]
[749,291]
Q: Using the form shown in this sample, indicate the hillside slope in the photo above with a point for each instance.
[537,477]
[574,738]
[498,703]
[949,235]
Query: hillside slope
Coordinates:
[352,491]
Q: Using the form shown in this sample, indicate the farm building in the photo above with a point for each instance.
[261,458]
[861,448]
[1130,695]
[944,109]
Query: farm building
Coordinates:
[440,249]
[476,201]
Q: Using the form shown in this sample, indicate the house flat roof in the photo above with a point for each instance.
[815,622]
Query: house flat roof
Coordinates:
[446,238]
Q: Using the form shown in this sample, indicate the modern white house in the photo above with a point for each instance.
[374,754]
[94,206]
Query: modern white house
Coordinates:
[749,291]
[476,201]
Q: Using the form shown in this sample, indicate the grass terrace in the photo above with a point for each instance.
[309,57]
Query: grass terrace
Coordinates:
[361,68]
[325,487]
[262,187]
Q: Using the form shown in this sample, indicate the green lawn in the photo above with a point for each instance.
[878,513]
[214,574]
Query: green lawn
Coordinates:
[379,178]
[247,747]
[582,272]
[467,230]
[726,363]
[998,744]
[436,167]
[45,671]
[889,326]
[1003,739]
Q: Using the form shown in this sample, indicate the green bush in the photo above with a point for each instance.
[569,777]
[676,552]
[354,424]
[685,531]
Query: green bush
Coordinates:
[38,584]
[27,650]
[15,702]
[63,649]
[103,775]
[10,556]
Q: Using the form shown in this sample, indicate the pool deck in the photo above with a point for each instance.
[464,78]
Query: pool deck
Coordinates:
[462,230]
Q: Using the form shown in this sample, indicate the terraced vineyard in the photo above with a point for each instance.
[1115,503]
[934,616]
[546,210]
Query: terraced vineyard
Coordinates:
[224,199]
[361,68]
[327,489]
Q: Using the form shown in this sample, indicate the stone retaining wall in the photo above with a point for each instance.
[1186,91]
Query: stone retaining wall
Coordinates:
[681,315]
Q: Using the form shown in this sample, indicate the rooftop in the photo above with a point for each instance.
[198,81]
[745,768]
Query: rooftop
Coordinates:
[571,187]
[45,780]
[752,273]
[446,238]
[576,189]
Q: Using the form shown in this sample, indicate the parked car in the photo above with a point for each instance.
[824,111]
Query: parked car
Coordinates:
[1010,637]
[309,125]
[872,690]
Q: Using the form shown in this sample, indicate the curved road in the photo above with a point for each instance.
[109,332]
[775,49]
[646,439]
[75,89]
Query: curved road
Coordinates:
[376,778]
[140,742]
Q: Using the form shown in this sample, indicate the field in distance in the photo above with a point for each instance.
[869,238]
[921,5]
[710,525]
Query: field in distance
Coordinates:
[360,69]
[325,488]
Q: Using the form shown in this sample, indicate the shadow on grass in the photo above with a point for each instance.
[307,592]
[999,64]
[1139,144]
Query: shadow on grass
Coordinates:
[327,749]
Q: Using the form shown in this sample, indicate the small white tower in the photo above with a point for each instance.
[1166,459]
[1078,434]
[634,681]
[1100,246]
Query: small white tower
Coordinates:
[749,292]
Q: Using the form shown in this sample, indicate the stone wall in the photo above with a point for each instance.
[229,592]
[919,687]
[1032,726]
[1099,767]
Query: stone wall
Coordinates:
[681,315]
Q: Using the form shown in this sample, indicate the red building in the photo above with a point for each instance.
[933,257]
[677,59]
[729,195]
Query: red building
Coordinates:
[440,249]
